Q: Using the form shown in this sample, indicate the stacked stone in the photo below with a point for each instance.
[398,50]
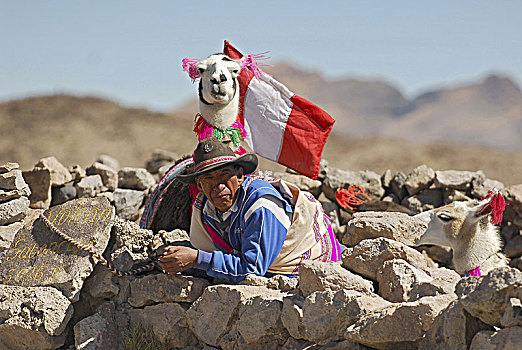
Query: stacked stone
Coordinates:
[384,295]
[14,202]
[52,184]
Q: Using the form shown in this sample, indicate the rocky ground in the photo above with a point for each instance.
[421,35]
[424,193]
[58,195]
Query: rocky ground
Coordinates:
[386,294]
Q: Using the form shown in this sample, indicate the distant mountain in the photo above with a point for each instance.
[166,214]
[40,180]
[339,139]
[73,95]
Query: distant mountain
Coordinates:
[486,113]
[377,127]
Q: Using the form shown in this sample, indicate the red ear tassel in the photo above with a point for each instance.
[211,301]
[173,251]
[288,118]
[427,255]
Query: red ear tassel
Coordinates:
[496,206]
[348,197]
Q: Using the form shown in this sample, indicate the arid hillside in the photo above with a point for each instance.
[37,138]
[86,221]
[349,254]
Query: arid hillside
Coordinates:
[486,112]
[79,129]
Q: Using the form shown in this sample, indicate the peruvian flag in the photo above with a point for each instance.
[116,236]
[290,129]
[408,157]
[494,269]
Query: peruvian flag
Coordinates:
[281,126]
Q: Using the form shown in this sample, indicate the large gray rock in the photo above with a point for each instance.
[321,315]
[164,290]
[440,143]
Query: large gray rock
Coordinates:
[490,299]
[279,282]
[40,257]
[7,167]
[516,263]
[164,288]
[443,281]
[320,276]
[398,326]
[77,172]
[11,178]
[160,158]
[7,234]
[419,179]
[303,182]
[167,321]
[13,210]
[59,174]
[513,314]
[513,196]
[258,326]
[323,316]
[101,284]
[397,226]
[370,254]
[135,179]
[63,194]
[397,278]
[39,181]
[397,185]
[97,332]
[441,255]
[108,175]
[14,194]
[128,202]
[453,328]
[337,178]
[33,317]
[456,179]
[89,186]
[213,316]
[505,339]
[513,247]
[425,200]
[12,183]
[109,161]
[481,186]
[133,244]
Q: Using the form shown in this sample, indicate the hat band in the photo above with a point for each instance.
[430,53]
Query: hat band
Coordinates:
[213,161]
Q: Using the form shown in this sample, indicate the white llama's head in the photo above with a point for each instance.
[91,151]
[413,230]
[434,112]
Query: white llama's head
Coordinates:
[459,222]
[218,83]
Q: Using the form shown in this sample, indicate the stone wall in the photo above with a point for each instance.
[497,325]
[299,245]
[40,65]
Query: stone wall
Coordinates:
[385,295]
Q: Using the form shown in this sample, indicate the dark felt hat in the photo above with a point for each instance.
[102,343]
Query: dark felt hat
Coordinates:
[212,154]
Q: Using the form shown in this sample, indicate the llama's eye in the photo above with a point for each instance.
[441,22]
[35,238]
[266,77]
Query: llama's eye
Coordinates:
[201,70]
[445,217]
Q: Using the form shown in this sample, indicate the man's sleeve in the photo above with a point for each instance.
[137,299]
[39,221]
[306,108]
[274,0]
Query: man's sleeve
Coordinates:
[265,229]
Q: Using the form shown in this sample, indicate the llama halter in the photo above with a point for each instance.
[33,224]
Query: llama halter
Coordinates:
[235,133]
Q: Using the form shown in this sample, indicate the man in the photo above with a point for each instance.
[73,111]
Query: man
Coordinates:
[246,224]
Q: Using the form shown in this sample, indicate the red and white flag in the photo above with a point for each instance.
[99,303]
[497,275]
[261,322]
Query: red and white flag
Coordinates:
[281,126]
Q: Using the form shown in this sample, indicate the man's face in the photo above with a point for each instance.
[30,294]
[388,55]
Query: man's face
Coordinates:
[220,186]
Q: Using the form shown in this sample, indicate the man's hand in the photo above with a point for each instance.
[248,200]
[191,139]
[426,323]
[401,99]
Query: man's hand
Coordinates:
[176,259]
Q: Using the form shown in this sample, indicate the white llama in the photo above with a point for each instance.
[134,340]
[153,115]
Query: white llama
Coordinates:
[219,90]
[465,227]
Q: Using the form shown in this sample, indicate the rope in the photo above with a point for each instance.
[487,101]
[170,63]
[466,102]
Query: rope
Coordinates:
[88,248]
[349,198]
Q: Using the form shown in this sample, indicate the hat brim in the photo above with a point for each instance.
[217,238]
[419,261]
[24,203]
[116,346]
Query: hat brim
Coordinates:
[247,161]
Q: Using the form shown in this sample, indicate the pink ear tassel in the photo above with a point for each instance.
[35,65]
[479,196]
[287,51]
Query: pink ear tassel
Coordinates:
[496,206]
[250,62]
[189,66]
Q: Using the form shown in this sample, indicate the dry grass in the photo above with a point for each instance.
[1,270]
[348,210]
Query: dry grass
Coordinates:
[141,338]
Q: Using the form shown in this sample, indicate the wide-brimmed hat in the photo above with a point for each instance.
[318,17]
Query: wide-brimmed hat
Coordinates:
[213,154]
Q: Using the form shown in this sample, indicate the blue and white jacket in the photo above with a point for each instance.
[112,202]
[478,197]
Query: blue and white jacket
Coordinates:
[271,231]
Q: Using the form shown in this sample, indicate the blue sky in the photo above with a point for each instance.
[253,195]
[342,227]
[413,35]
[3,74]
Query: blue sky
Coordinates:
[131,51]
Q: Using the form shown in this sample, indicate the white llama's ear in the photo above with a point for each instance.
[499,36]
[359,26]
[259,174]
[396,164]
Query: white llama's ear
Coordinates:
[201,66]
[493,204]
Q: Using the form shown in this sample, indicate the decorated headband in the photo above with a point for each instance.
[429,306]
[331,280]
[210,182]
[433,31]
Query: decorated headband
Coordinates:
[494,204]
[248,61]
